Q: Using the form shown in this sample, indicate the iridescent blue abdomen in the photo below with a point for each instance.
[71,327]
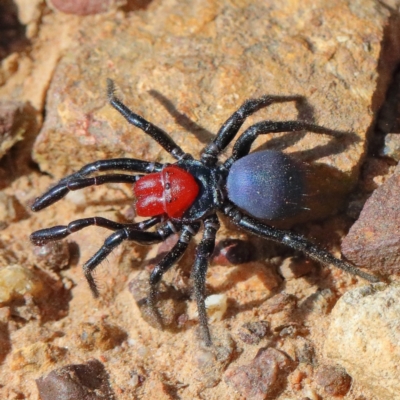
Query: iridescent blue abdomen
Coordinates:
[267,184]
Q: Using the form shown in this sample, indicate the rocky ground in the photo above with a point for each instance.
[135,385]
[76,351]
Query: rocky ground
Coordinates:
[283,327]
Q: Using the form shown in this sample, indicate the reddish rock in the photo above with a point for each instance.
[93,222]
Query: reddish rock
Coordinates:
[374,239]
[264,377]
[335,381]
[253,332]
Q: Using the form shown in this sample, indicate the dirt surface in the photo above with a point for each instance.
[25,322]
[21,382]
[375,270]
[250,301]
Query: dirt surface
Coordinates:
[186,67]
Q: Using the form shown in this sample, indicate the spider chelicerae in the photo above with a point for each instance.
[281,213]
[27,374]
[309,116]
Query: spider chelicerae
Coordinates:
[249,188]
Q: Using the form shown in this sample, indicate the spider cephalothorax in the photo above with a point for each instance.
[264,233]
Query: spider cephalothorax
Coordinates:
[179,197]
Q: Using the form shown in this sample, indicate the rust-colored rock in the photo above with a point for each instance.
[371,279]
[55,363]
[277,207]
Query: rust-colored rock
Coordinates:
[264,377]
[374,239]
[335,381]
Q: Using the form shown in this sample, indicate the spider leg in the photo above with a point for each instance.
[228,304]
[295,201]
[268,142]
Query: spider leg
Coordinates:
[293,240]
[116,164]
[59,191]
[156,133]
[130,232]
[188,231]
[246,139]
[232,125]
[203,254]
[43,236]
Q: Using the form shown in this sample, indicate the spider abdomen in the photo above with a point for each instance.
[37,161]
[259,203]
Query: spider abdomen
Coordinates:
[267,184]
[171,191]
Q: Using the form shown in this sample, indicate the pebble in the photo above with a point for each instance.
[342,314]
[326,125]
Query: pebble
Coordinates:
[17,281]
[76,381]
[264,377]
[335,381]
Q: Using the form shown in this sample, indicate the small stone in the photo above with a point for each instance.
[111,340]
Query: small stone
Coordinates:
[212,361]
[101,336]
[392,146]
[17,281]
[216,305]
[374,240]
[81,7]
[135,379]
[292,330]
[279,303]
[253,332]
[321,302]
[305,351]
[294,267]
[335,381]
[80,381]
[53,256]
[264,377]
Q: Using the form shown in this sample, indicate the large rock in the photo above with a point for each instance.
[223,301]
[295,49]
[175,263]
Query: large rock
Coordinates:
[374,239]
[364,338]
[188,68]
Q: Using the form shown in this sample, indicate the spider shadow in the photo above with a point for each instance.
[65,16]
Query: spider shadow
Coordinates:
[305,113]
[17,161]
[203,135]
[13,36]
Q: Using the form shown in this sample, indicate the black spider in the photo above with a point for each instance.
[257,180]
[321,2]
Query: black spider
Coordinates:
[247,188]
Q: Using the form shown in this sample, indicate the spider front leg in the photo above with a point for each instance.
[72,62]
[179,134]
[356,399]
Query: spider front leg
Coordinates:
[79,180]
[293,240]
[232,125]
[131,232]
[156,133]
[188,231]
[58,232]
[203,254]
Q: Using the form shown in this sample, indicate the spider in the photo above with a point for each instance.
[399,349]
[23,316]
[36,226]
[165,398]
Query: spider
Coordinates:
[180,197]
